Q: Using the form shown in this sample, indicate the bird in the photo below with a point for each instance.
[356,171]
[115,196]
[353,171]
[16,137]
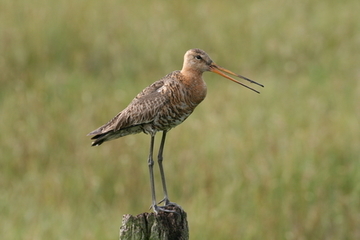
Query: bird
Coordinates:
[162,106]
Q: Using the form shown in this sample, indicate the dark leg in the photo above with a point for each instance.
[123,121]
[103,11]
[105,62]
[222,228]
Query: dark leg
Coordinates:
[160,160]
[151,164]
[152,184]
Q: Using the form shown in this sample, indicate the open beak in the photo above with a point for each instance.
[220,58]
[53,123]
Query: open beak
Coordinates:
[219,70]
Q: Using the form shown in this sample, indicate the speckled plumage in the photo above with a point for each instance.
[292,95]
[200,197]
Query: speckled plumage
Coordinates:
[161,106]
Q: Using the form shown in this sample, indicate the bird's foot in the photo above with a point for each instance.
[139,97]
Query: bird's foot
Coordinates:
[167,202]
[158,209]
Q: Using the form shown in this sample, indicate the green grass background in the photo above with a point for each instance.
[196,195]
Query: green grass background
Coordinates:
[280,165]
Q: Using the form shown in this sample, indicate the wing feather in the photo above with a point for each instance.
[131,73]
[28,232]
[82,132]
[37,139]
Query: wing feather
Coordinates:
[142,109]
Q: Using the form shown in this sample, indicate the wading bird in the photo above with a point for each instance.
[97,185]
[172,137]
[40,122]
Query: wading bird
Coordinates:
[164,105]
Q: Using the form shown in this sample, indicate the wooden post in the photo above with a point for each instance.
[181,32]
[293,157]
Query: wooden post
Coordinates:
[152,226]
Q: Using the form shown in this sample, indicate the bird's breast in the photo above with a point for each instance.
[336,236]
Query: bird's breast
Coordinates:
[178,96]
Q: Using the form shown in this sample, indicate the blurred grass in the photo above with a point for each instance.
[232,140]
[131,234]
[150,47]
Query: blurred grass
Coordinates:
[280,165]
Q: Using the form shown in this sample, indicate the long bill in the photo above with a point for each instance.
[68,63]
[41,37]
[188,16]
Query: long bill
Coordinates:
[219,70]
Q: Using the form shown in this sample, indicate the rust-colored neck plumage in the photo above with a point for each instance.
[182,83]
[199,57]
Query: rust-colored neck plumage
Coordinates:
[194,82]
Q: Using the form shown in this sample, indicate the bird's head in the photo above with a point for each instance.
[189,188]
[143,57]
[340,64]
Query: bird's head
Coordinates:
[197,60]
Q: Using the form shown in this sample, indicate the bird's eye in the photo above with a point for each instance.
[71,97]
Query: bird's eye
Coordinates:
[198,57]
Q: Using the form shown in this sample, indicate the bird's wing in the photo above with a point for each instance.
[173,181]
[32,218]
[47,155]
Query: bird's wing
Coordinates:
[144,107]
[141,110]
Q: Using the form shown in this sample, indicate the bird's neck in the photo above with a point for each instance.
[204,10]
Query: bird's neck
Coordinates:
[195,84]
[191,75]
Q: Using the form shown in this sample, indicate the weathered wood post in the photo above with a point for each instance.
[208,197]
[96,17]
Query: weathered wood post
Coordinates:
[152,226]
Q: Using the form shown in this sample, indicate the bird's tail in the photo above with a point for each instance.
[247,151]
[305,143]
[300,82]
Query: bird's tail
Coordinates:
[110,135]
